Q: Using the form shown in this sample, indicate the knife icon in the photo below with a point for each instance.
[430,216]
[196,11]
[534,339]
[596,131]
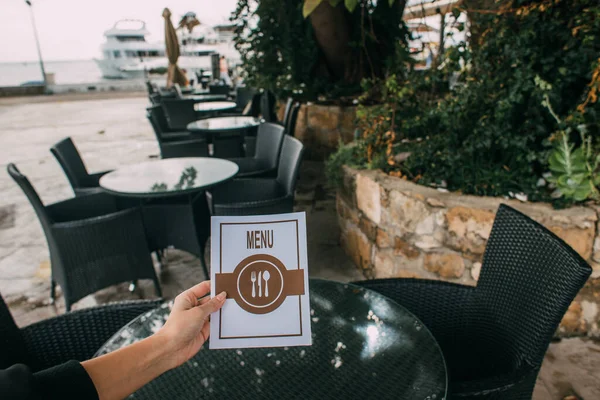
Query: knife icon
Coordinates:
[260,284]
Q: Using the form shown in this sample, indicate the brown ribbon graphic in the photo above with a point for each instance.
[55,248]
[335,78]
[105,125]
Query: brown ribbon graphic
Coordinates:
[260,283]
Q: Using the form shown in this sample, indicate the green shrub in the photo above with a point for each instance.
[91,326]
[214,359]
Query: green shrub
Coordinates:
[491,134]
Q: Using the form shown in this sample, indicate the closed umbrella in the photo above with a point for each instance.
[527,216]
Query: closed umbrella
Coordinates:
[174,74]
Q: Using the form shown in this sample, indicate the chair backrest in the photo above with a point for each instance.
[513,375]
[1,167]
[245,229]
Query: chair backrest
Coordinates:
[69,159]
[11,340]
[155,98]
[219,89]
[150,87]
[528,279]
[268,143]
[158,119]
[177,90]
[255,106]
[243,96]
[290,124]
[179,113]
[155,127]
[287,111]
[289,163]
[32,196]
[267,106]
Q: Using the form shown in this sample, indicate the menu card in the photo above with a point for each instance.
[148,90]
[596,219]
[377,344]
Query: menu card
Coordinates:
[261,262]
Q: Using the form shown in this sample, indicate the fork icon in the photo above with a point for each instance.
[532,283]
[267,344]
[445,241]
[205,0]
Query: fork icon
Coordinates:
[253,279]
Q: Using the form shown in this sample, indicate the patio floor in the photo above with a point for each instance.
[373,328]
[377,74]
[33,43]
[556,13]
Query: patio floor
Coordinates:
[110,131]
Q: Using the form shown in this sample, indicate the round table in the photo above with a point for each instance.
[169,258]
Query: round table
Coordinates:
[206,97]
[168,177]
[364,346]
[223,124]
[213,106]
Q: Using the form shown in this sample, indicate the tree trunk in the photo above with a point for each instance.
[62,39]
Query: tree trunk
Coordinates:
[332,32]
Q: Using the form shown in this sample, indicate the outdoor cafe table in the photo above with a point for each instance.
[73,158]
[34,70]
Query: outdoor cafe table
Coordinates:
[171,194]
[206,97]
[214,106]
[223,124]
[365,346]
[168,177]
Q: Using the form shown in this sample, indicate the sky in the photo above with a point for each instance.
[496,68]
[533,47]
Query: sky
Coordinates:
[73,29]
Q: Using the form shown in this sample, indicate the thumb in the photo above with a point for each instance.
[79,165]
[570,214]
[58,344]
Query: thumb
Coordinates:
[214,304]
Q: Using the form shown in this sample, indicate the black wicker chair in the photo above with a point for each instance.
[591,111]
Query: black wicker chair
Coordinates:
[174,144]
[92,244]
[179,113]
[261,195]
[73,336]
[69,159]
[292,118]
[267,106]
[243,97]
[219,89]
[268,146]
[494,336]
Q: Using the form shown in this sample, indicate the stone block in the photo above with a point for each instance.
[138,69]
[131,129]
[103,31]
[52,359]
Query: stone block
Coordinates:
[345,212]
[446,265]
[383,239]
[386,265]
[469,228]
[581,240]
[368,228]
[300,131]
[573,322]
[348,188]
[476,270]
[427,243]
[368,197]
[405,249]
[348,124]
[596,255]
[435,202]
[406,212]
[426,226]
[323,117]
[357,246]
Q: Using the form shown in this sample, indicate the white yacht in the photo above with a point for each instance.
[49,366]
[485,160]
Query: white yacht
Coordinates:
[127,54]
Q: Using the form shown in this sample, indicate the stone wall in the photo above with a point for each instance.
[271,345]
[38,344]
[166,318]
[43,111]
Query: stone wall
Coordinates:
[394,228]
[321,127]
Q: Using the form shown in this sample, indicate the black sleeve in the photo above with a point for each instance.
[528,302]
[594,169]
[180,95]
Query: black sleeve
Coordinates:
[65,381]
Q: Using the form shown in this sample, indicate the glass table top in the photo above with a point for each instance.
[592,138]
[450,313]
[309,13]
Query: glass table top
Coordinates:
[168,177]
[364,346]
[215,106]
[223,124]
[206,97]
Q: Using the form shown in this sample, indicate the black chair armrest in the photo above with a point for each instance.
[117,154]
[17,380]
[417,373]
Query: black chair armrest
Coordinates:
[93,222]
[442,306]
[517,385]
[94,179]
[79,334]
[82,207]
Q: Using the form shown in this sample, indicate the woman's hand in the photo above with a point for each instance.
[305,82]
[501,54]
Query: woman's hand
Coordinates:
[187,327]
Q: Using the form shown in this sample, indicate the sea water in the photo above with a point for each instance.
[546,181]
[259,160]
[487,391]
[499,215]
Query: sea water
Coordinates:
[65,72]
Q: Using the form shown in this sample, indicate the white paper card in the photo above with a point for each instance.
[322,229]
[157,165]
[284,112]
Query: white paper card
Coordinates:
[261,262]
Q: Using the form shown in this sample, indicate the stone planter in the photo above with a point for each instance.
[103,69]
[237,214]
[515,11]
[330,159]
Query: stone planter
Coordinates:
[394,228]
[321,127]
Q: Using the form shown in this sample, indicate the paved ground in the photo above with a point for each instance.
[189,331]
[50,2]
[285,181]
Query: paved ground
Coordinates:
[112,132]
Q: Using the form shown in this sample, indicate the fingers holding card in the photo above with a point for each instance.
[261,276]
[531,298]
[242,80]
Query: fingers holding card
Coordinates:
[261,262]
